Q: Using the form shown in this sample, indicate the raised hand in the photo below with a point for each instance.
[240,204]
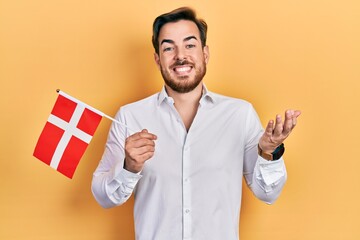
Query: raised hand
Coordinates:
[276,133]
[139,148]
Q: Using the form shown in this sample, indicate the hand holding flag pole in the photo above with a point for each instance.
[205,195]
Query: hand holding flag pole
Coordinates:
[67,132]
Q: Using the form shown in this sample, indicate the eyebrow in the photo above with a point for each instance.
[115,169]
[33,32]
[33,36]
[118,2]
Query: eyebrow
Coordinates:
[172,41]
[189,38]
[166,41]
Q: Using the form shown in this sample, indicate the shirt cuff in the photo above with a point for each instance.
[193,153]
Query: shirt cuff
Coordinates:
[271,171]
[126,179]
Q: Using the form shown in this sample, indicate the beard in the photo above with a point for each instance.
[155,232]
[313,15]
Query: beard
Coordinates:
[184,84]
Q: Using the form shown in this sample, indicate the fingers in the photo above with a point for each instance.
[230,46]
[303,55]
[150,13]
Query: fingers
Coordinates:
[278,131]
[297,113]
[269,128]
[139,142]
[290,120]
[139,148]
[139,156]
[289,123]
[144,134]
[278,126]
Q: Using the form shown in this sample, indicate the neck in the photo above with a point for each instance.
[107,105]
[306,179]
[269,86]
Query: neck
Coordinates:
[189,98]
[186,103]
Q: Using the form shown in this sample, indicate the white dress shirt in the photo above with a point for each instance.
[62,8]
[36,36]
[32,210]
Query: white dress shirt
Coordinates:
[191,187]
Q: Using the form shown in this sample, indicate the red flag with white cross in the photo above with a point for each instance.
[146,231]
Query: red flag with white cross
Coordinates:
[67,133]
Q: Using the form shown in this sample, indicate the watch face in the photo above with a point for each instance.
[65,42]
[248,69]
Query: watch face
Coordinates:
[279,151]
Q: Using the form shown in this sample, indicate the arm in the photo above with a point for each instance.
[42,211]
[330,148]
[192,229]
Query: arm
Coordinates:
[112,183]
[266,178]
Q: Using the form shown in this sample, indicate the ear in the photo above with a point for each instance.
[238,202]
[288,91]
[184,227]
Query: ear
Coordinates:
[206,53]
[157,60]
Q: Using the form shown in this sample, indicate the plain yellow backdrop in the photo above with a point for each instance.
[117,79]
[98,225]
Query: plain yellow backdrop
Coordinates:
[279,54]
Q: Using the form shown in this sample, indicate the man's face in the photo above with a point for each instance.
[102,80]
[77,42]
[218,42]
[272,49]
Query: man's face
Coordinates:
[182,59]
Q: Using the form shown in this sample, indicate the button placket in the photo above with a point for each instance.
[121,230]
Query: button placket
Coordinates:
[186,191]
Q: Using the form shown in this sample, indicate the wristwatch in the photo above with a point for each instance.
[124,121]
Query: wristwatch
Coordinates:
[275,155]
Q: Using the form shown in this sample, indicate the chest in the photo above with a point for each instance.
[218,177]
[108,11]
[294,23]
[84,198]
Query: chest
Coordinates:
[214,144]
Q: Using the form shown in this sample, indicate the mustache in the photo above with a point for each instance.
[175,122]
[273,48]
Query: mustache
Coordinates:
[181,63]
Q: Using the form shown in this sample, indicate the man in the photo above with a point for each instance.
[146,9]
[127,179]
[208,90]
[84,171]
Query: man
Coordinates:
[185,167]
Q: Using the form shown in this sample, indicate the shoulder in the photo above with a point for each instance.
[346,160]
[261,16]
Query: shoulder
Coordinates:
[141,104]
[138,107]
[229,102]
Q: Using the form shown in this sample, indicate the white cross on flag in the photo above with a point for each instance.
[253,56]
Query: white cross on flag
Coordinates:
[66,134]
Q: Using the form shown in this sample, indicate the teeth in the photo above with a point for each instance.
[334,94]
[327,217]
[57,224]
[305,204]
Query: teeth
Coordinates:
[182,69]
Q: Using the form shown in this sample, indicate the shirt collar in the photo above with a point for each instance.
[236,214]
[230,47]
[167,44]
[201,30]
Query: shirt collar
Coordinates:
[207,97]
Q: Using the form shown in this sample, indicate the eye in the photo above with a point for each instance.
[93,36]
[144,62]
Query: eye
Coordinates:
[168,49]
[190,46]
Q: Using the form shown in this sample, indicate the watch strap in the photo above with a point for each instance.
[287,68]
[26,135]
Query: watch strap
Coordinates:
[275,155]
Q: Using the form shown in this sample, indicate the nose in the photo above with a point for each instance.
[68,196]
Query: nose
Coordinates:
[180,55]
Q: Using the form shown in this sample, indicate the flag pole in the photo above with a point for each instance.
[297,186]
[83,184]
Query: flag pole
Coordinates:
[118,122]
[103,114]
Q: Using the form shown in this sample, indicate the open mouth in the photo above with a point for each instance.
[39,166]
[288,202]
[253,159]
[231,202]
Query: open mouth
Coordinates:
[182,70]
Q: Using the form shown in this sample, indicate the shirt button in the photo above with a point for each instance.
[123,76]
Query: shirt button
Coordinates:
[187,210]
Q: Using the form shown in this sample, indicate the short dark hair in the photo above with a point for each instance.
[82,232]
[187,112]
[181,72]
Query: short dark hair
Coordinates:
[184,13]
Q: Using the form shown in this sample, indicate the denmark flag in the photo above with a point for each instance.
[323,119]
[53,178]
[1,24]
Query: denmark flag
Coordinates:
[67,133]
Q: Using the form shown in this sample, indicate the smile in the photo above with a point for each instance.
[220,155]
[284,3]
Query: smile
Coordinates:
[182,69]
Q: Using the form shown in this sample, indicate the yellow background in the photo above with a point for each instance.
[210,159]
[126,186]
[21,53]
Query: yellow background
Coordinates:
[279,54]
